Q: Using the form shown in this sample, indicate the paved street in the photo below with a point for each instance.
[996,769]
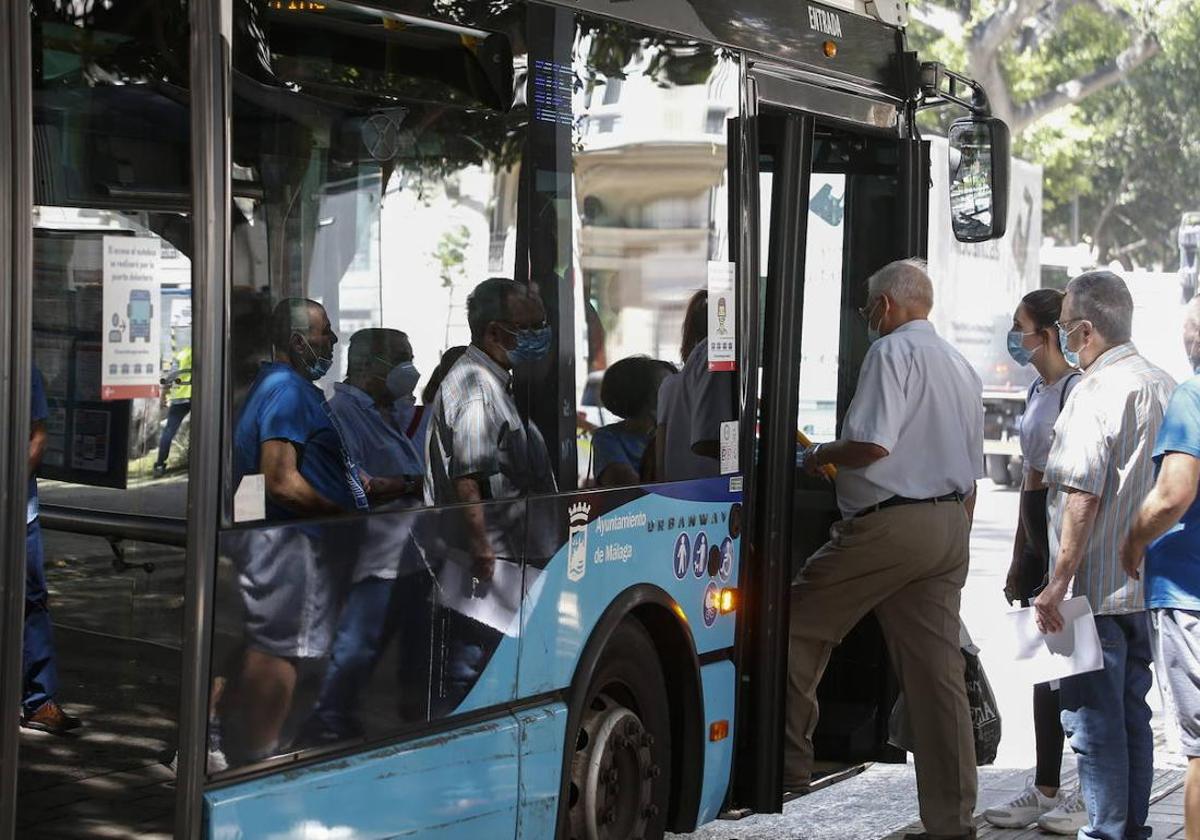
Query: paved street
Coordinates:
[883,799]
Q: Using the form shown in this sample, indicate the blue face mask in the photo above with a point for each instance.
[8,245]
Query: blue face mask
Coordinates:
[1021,354]
[319,366]
[1072,356]
[402,380]
[531,345]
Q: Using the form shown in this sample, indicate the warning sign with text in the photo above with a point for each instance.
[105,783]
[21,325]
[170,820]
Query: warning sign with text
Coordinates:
[132,356]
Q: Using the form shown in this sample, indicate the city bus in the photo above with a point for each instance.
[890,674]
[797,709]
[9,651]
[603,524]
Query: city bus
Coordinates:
[616,668]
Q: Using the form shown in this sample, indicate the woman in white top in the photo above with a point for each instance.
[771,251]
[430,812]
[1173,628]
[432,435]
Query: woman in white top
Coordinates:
[1034,340]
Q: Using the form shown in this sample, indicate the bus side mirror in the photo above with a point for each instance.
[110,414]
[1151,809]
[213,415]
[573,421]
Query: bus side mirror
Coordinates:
[979,153]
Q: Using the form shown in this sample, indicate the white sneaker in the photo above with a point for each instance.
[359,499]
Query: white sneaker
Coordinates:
[1022,811]
[1068,817]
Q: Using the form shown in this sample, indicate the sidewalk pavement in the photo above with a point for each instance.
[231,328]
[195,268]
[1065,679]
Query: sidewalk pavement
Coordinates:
[1166,806]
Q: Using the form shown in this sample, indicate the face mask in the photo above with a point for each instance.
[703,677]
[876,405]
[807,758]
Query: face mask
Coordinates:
[1021,354]
[402,380]
[319,366]
[873,333]
[1072,356]
[531,345]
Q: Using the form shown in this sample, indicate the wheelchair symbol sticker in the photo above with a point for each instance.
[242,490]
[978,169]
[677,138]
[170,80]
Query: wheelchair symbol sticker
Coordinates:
[700,555]
[726,558]
[682,555]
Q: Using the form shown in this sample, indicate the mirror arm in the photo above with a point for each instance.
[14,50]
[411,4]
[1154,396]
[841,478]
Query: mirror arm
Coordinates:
[940,86]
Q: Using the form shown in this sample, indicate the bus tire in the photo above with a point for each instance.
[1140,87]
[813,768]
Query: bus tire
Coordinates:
[621,764]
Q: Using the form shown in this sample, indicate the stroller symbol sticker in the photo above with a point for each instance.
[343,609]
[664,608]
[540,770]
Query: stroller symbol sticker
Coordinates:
[700,555]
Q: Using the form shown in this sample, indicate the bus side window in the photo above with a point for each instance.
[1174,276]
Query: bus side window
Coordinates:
[651,196]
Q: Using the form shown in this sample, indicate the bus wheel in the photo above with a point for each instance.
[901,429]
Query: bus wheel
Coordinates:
[620,772]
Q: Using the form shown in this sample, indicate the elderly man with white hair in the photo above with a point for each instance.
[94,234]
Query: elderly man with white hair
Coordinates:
[1099,470]
[1166,534]
[908,458]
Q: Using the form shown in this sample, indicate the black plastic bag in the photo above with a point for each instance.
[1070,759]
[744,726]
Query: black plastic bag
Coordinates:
[985,715]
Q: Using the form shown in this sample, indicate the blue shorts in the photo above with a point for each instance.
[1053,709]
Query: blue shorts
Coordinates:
[290,592]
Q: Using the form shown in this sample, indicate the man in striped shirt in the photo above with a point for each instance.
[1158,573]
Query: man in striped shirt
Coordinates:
[1100,469]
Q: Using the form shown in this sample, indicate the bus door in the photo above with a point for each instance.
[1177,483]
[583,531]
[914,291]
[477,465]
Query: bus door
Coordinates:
[839,196]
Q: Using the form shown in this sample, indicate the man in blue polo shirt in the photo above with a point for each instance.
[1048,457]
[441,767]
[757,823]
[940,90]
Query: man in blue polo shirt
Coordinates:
[1166,534]
[289,582]
[39,708]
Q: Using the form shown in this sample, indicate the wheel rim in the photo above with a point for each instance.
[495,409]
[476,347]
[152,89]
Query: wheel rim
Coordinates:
[613,774]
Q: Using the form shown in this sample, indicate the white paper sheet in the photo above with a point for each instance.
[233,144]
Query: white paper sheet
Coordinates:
[1038,657]
[496,603]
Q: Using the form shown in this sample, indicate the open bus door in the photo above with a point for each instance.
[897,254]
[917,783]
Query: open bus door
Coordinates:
[839,193]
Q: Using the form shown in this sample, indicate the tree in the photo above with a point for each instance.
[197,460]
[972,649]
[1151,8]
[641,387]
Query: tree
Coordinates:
[1035,57]
[1102,94]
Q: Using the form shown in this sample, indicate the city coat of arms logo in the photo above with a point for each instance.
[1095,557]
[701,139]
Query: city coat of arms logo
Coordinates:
[577,554]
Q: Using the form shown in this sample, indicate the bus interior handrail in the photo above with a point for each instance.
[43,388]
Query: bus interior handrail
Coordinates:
[114,526]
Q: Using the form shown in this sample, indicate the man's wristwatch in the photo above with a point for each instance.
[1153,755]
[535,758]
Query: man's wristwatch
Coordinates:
[813,455]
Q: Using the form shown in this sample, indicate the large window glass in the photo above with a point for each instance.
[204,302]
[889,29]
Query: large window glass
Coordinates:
[112,399]
[820,341]
[371,566]
[651,190]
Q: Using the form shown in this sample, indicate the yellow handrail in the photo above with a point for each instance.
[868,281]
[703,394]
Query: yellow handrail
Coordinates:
[829,470]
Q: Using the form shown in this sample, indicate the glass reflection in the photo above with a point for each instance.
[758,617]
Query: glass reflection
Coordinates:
[377,170]
[651,190]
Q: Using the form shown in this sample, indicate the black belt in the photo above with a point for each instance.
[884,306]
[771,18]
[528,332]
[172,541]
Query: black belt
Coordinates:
[894,501]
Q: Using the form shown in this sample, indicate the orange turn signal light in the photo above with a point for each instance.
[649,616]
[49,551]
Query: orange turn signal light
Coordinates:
[718,731]
[727,600]
[830,49]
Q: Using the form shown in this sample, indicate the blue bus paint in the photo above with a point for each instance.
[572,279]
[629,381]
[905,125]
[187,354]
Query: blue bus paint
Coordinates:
[483,780]
[543,733]
[631,543]
[718,681]
[503,776]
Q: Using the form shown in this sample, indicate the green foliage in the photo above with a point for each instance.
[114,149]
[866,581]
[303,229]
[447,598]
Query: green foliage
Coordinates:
[451,253]
[1129,154]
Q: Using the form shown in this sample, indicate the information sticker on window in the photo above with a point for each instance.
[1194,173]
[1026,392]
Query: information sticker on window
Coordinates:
[250,499]
[729,447]
[722,317]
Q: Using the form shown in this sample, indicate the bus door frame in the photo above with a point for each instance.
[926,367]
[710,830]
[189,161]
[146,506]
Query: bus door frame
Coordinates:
[16,348]
[801,100]
[209,473]
[763,643]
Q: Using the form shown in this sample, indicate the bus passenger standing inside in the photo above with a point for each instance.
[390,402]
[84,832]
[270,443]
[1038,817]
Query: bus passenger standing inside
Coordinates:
[289,586]
[1034,340]
[910,453]
[39,708]
[379,373]
[1099,471]
[480,449]
[692,405]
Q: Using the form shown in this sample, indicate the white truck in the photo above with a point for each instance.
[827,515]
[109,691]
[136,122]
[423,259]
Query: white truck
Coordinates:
[976,289]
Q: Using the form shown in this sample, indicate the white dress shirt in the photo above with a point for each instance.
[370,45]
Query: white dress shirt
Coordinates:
[919,399]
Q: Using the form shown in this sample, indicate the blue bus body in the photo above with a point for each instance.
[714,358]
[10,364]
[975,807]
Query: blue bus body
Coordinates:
[502,771]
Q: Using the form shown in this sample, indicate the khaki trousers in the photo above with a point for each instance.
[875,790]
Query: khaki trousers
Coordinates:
[907,563]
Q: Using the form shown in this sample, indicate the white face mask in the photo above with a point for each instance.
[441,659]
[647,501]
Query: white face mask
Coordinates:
[402,380]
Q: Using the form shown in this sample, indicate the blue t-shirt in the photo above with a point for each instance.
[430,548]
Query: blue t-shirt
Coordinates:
[38,410]
[613,444]
[1173,560]
[283,405]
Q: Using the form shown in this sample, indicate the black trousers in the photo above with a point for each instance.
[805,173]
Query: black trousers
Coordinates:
[1035,565]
